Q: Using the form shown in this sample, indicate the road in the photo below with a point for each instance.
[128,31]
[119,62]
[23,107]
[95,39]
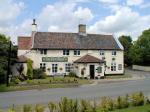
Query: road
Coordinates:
[7,99]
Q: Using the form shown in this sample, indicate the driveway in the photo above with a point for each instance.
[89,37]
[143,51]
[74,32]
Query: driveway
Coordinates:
[7,99]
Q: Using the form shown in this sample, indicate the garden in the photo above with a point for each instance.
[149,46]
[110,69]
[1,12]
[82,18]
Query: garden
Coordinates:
[136,102]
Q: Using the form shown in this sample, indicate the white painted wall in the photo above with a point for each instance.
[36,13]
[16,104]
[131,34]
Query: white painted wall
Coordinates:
[37,59]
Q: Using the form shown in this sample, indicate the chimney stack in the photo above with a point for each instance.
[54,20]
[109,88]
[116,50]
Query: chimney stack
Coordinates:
[34,26]
[82,29]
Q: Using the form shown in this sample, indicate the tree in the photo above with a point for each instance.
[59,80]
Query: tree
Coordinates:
[126,41]
[29,69]
[4,47]
[140,51]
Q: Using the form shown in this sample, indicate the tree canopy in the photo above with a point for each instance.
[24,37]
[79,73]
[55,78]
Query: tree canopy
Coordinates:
[140,51]
[126,41]
[4,47]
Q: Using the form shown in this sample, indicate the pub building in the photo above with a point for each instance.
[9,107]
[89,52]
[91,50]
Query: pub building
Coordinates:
[59,53]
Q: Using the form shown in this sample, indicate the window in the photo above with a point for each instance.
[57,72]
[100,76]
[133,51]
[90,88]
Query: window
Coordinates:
[43,51]
[113,66]
[54,68]
[69,67]
[43,66]
[65,52]
[114,53]
[102,52]
[76,52]
[119,66]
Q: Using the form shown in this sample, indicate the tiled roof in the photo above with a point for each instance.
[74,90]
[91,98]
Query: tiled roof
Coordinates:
[24,43]
[88,59]
[55,40]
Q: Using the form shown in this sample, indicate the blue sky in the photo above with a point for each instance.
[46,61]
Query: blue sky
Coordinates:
[117,17]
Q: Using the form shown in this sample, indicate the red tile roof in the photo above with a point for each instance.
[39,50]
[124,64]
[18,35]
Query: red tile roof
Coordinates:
[24,43]
[88,59]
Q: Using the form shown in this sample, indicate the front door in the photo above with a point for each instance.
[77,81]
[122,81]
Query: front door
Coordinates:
[92,71]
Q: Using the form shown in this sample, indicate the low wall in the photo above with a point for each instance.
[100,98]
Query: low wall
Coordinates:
[143,68]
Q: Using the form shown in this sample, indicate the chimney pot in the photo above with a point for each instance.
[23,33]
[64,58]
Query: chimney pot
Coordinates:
[34,26]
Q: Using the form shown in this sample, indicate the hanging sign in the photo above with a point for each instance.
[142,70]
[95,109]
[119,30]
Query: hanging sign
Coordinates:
[54,59]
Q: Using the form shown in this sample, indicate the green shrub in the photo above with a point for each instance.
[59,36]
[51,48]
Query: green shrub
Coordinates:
[39,108]
[72,74]
[29,81]
[107,104]
[137,99]
[29,69]
[38,74]
[15,80]
[122,102]
[27,108]
[52,106]
[147,100]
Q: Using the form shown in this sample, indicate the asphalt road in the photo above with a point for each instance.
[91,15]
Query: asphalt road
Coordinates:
[7,99]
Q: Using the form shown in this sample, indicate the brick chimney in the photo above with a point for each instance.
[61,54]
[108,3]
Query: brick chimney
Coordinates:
[82,29]
[34,26]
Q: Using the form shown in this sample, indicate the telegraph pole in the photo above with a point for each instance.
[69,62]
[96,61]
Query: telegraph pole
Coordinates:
[8,66]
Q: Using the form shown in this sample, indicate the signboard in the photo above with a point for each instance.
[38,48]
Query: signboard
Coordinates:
[54,59]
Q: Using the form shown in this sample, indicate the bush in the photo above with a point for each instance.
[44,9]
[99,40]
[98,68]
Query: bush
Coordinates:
[38,74]
[72,74]
[27,108]
[52,106]
[39,108]
[29,69]
[122,102]
[137,99]
[107,104]
[15,80]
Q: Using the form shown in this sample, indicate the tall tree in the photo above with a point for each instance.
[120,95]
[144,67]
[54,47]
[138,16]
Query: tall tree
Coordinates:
[140,51]
[4,46]
[126,41]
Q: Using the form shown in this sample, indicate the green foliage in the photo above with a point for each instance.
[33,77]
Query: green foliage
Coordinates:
[126,41]
[29,68]
[52,106]
[38,74]
[122,102]
[137,99]
[4,47]
[39,108]
[27,108]
[140,51]
[15,80]
[72,74]
[85,106]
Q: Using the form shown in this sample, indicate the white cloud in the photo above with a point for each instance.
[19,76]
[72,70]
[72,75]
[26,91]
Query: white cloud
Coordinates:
[9,11]
[109,1]
[84,14]
[134,2]
[63,16]
[124,21]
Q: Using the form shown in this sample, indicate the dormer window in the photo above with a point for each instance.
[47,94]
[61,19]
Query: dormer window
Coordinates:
[76,52]
[66,52]
[114,53]
[43,51]
[102,52]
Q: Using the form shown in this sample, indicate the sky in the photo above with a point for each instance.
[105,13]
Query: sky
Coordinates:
[117,17]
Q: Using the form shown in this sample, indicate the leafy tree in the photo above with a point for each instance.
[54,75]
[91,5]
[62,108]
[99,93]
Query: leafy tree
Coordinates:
[126,41]
[140,51]
[4,48]
[29,69]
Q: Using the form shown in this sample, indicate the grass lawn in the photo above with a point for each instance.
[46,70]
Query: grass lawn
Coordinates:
[49,82]
[145,108]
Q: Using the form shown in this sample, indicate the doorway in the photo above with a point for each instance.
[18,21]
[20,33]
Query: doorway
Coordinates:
[92,71]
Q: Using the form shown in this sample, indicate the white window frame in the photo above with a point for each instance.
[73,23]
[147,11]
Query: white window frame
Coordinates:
[114,53]
[43,51]
[43,66]
[102,52]
[77,52]
[54,68]
[113,66]
[66,52]
[119,66]
[68,67]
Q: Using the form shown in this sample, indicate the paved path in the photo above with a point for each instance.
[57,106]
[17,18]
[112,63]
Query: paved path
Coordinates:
[7,99]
